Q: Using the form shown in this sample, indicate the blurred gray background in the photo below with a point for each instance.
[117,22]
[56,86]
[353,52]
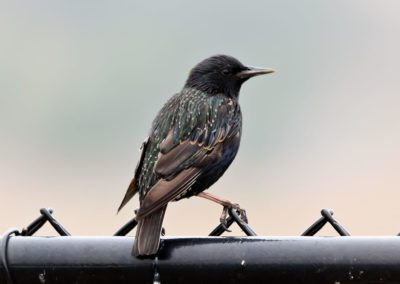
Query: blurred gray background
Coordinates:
[80,82]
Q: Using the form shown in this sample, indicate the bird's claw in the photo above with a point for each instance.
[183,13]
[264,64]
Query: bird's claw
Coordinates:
[242,213]
[223,219]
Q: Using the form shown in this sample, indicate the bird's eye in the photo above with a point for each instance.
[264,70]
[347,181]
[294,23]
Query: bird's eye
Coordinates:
[226,72]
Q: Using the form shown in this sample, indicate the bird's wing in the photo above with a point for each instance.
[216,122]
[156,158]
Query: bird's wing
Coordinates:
[130,192]
[181,161]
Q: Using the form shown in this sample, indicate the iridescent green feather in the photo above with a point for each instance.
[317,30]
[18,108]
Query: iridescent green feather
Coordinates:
[192,115]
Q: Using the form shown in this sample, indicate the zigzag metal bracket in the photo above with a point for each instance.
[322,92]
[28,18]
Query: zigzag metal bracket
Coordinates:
[41,220]
[234,217]
[327,217]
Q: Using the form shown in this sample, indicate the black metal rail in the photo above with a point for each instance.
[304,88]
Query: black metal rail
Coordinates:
[249,259]
[205,260]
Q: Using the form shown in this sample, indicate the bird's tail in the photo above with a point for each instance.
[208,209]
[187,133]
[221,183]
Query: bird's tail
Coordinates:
[148,233]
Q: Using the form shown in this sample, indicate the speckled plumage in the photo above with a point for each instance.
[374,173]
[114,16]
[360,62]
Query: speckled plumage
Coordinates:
[193,116]
[192,141]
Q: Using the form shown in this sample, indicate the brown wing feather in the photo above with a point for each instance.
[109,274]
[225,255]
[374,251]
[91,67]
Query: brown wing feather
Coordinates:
[166,190]
[180,162]
[178,158]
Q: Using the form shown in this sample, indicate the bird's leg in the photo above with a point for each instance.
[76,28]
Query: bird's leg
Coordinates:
[226,204]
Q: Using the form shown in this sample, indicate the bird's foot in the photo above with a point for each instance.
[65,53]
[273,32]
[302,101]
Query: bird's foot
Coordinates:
[227,205]
[224,215]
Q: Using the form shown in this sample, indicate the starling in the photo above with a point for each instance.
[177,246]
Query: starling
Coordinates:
[193,140]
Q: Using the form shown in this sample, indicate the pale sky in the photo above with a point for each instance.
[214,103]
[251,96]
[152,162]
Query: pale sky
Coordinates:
[80,83]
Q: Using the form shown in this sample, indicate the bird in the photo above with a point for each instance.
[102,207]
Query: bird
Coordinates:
[192,141]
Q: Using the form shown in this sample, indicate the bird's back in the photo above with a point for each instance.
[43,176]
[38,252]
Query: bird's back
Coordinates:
[205,121]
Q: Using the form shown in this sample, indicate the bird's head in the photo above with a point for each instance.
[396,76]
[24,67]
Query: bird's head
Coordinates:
[222,74]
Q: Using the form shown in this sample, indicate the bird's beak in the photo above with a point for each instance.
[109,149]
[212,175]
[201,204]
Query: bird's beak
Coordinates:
[253,71]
